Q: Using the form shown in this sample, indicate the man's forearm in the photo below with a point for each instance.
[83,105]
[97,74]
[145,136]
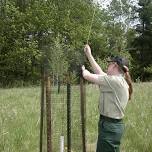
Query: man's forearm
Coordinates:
[90,76]
[94,64]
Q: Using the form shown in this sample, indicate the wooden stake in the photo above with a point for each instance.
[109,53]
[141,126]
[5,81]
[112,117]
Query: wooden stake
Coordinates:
[83,112]
[48,112]
[42,107]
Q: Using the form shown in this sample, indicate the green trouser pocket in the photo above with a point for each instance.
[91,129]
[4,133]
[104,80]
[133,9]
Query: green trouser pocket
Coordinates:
[109,136]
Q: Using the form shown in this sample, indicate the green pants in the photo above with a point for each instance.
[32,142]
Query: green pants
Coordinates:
[109,135]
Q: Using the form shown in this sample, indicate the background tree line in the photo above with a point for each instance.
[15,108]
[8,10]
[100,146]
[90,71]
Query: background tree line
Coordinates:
[33,30]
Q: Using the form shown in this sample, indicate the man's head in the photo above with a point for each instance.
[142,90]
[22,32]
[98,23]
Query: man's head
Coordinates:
[117,65]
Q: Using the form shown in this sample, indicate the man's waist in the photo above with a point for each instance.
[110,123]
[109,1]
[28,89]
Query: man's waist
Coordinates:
[102,117]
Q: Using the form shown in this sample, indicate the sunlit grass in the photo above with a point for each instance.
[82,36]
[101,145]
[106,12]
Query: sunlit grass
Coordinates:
[20,111]
[19,119]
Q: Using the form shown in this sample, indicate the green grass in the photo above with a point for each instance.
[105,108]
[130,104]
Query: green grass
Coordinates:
[20,111]
[19,119]
[138,120]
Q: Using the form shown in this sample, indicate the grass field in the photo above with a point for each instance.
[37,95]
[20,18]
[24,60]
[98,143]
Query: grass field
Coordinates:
[20,111]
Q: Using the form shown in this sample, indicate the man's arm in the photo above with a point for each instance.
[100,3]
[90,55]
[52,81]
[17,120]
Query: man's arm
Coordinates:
[90,76]
[96,68]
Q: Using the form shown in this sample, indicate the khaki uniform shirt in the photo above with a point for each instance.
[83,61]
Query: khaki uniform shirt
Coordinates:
[114,96]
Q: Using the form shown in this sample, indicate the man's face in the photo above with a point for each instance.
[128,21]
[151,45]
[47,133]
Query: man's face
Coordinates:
[111,66]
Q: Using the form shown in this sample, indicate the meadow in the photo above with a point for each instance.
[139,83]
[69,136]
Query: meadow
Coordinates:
[20,119]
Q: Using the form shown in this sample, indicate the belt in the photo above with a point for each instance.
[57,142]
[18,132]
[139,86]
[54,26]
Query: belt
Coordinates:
[109,119]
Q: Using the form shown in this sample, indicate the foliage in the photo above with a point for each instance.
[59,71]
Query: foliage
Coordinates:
[142,53]
[58,60]
[35,33]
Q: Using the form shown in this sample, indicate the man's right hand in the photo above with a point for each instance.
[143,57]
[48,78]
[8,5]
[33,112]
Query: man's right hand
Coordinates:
[87,50]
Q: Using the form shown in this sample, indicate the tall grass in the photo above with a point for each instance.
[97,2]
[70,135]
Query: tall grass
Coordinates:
[138,120]
[20,111]
[19,119]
